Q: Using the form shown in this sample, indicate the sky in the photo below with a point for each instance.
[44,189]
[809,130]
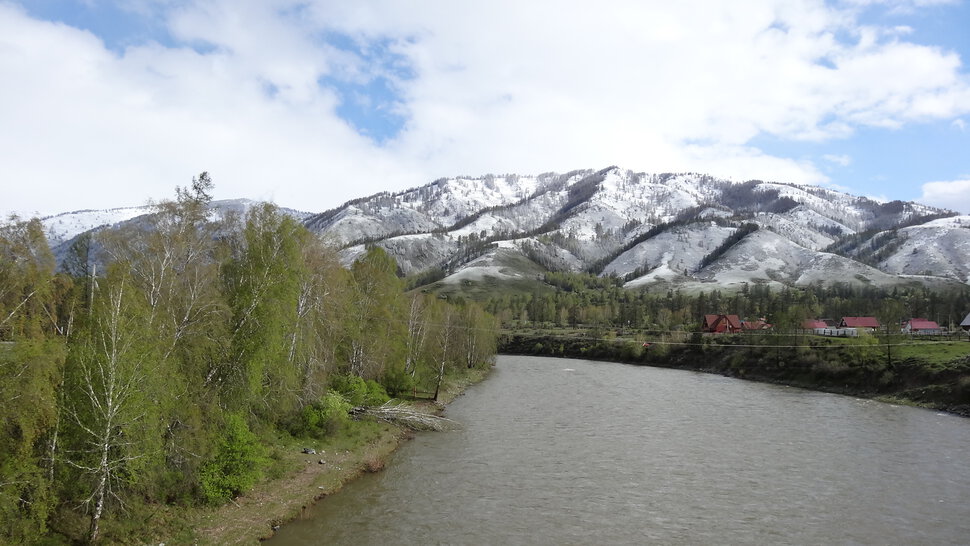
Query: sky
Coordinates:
[111,103]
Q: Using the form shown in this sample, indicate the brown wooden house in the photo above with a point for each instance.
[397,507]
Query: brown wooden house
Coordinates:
[721,324]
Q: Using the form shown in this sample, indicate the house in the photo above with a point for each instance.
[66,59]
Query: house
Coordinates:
[814,324]
[755,325]
[859,322]
[966,323]
[721,324]
[922,327]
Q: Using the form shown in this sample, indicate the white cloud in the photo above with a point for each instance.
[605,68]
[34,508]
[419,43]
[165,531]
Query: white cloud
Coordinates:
[953,195]
[499,87]
[843,160]
[960,124]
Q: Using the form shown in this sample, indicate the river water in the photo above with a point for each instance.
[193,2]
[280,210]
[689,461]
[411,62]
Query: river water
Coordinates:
[559,451]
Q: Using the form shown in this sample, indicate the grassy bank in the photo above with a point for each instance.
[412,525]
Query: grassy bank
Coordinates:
[928,373]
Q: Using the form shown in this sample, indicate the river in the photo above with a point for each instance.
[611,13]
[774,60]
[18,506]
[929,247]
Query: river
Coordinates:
[557,451]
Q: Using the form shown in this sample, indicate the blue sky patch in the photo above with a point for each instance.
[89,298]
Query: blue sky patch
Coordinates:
[370,97]
[117,27]
[882,161]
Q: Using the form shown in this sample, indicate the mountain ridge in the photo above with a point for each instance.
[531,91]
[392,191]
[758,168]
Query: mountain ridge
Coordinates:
[683,230]
[654,229]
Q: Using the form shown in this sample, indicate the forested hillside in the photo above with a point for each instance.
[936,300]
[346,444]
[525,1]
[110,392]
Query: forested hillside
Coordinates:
[160,363]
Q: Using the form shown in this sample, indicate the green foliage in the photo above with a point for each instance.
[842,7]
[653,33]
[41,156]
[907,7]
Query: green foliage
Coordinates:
[578,302]
[26,273]
[237,465]
[397,381]
[325,417]
[422,278]
[29,376]
[358,391]
[125,385]
[262,281]
[372,335]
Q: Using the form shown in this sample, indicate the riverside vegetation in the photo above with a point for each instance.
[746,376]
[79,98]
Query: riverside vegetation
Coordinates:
[181,361]
[583,316]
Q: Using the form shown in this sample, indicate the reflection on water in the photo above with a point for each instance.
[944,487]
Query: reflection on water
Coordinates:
[578,452]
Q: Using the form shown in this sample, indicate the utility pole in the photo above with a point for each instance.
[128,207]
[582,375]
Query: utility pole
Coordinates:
[889,353]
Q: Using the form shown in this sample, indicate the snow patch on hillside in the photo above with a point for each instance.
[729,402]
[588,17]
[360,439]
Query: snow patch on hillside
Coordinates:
[65,226]
[940,247]
[679,250]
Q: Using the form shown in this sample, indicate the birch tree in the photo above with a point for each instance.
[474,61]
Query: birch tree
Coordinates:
[417,333]
[375,332]
[112,401]
[172,256]
[446,342]
[321,306]
[263,285]
[477,338]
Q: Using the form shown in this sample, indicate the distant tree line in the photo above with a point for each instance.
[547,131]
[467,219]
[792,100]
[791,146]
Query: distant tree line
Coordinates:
[585,299]
[155,367]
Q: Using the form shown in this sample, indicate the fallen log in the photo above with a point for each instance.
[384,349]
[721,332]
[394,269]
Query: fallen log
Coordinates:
[406,415]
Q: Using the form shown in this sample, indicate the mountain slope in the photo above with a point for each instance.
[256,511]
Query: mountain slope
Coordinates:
[654,229]
[686,230]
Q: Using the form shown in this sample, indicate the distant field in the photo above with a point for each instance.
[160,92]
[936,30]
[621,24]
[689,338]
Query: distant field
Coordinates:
[934,352]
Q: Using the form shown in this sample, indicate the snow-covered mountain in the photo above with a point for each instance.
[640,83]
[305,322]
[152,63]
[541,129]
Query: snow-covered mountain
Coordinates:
[687,230]
[61,229]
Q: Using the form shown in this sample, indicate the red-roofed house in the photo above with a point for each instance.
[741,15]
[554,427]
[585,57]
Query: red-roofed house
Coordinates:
[721,324]
[814,324]
[859,322]
[922,327]
[755,325]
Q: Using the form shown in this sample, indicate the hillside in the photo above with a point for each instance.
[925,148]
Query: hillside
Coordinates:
[687,230]
[684,230]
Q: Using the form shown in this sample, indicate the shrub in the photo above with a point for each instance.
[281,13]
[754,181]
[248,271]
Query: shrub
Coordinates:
[359,392]
[327,416]
[237,464]
[398,382]
[376,394]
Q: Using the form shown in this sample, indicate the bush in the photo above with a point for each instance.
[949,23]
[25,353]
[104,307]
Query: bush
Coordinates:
[327,416]
[398,382]
[359,392]
[237,464]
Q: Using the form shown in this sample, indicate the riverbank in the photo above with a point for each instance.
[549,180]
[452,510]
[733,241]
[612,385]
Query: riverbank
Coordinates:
[921,373]
[306,478]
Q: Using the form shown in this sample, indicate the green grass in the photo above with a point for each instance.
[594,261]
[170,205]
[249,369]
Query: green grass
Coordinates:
[932,352]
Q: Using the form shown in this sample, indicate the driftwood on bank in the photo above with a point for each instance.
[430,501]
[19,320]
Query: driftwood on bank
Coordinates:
[406,415]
